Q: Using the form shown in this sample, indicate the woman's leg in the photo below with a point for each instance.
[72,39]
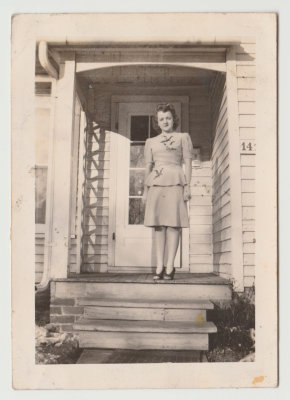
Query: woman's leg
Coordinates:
[172,240]
[160,235]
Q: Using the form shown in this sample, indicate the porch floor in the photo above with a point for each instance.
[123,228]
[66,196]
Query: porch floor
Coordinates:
[184,278]
[115,356]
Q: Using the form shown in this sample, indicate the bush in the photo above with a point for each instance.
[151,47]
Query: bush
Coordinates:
[235,325]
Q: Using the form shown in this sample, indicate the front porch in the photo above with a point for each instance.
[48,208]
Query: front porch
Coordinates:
[97,254]
[96,225]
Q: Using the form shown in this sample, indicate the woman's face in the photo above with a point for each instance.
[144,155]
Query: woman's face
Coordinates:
[165,121]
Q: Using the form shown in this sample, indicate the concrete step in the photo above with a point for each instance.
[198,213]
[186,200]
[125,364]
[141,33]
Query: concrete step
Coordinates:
[137,309]
[166,335]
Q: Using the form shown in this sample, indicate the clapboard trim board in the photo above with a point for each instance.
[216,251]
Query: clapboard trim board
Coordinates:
[246,83]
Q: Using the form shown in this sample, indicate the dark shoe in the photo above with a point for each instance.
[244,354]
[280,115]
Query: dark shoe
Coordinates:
[158,277]
[170,276]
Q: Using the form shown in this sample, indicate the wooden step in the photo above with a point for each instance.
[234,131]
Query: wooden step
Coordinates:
[138,313]
[142,291]
[143,341]
[147,303]
[166,335]
[145,326]
[137,309]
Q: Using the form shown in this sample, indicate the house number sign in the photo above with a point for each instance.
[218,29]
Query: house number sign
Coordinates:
[248,147]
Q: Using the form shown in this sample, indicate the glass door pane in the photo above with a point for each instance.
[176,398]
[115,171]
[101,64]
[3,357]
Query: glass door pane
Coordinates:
[139,132]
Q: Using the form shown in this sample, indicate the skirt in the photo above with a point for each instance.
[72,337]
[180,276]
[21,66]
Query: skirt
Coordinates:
[165,207]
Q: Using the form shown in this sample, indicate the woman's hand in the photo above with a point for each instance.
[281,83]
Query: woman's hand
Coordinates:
[186,193]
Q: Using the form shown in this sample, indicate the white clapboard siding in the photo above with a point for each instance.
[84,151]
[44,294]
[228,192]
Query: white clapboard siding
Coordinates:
[200,229]
[249,248]
[247,120]
[39,256]
[248,199]
[249,226]
[200,200]
[246,71]
[222,235]
[248,186]
[246,95]
[248,213]
[249,259]
[246,83]
[247,133]
[248,237]
[247,111]
[248,173]
[73,255]
[221,204]
[247,107]
[200,248]
[221,224]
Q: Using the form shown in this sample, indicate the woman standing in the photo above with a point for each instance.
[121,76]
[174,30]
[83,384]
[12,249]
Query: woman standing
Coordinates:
[167,187]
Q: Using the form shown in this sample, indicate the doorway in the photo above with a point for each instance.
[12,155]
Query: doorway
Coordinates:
[134,244]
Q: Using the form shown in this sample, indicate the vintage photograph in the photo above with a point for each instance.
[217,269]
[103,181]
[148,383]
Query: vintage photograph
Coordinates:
[144,194]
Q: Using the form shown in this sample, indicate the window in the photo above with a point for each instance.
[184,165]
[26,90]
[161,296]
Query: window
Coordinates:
[42,118]
[141,129]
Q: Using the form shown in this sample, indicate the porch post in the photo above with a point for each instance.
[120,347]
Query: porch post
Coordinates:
[62,162]
[235,173]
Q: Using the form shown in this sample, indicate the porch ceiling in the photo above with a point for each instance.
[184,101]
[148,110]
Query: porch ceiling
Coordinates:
[142,53]
[149,75]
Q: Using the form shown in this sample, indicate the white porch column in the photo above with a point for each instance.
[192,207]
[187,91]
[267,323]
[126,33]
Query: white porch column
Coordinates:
[235,173]
[62,162]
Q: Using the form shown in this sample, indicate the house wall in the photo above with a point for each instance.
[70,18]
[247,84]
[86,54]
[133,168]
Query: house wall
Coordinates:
[96,208]
[246,83]
[245,75]
[221,203]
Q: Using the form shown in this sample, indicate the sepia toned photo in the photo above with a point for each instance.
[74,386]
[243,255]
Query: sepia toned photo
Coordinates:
[145,195]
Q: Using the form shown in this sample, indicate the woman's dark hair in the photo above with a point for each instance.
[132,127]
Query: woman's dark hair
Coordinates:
[164,108]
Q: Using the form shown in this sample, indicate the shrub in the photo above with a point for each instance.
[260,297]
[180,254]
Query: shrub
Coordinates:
[235,324]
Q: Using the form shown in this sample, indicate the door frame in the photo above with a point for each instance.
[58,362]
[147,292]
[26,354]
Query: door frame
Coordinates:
[115,100]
